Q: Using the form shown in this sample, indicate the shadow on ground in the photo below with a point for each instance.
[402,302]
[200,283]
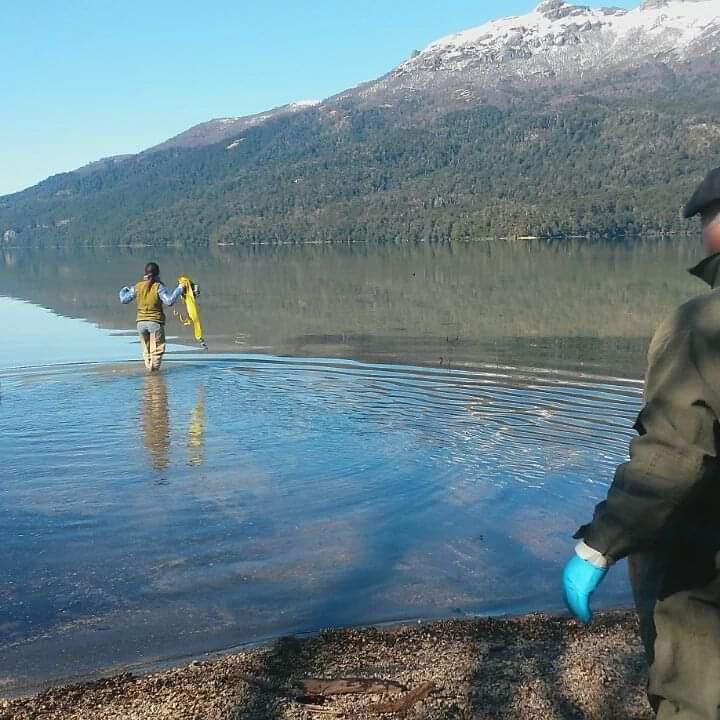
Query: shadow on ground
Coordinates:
[525,668]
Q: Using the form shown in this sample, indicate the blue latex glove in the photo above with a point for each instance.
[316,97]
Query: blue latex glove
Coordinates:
[580,580]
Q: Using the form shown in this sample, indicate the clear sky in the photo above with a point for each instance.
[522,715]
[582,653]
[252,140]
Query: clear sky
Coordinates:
[85,79]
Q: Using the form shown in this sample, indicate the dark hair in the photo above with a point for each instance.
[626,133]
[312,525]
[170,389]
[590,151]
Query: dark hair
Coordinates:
[152,273]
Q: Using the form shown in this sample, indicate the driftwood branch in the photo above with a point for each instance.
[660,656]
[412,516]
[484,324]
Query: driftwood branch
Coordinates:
[321,688]
[318,687]
[404,703]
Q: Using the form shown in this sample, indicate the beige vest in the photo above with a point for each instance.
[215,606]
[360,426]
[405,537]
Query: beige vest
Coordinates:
[149,304]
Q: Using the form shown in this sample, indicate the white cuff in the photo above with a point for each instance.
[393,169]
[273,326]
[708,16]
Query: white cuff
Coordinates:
[585,552]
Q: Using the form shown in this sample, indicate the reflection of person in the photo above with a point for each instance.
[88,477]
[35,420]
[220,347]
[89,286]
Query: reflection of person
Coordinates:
[150,295]
[663,508]
[156,421]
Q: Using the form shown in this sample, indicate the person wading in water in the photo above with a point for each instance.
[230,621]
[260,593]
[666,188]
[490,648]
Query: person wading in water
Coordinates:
[150,295]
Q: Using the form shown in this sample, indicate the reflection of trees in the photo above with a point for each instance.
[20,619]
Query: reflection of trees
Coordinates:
[156,420]
[459,292]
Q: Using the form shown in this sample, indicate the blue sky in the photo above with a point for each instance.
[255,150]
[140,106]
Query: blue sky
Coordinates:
[84,79]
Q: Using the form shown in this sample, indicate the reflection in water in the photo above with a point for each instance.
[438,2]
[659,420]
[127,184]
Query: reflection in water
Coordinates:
[156,420]
[330,493]
[454,305]
[196,429]
[156,423]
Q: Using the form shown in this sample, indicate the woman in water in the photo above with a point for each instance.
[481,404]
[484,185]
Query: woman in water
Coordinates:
[150,295]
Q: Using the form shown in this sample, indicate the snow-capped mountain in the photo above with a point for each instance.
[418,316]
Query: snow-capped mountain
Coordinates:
[556,44]
[559,42]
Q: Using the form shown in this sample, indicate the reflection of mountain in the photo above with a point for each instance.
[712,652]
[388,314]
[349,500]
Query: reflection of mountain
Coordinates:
[407,302]
[156,420]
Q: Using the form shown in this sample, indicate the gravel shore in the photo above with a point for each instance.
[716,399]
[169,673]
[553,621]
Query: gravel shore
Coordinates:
[527,668]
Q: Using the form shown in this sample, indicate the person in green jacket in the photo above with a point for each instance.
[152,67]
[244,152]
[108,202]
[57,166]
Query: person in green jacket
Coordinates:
[663,508]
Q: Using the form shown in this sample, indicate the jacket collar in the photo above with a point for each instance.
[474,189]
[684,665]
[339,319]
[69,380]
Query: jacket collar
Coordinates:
[708,270]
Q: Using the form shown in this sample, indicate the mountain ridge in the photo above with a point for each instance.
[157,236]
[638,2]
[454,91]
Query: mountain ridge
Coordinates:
[556,43]
[470,137]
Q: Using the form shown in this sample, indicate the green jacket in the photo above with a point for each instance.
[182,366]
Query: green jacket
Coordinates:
[669,490]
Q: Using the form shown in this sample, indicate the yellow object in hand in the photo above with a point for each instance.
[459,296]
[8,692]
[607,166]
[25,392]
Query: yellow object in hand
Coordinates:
[192,309]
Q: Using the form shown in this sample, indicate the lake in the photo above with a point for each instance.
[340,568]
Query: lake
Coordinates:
[377,433]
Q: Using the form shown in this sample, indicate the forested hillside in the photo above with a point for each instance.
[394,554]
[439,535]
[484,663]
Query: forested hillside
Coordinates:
[607,153]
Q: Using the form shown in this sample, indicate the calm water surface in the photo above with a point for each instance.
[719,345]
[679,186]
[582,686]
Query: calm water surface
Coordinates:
[377,434]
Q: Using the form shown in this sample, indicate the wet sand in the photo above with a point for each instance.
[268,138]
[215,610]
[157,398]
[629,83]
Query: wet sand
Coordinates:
[532,667]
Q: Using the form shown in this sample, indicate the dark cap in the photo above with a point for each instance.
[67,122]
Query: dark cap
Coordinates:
[707,193]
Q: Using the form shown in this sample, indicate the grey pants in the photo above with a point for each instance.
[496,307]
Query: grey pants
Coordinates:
[677,594]
[152,339]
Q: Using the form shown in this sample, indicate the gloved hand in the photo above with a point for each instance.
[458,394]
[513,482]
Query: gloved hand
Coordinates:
[580,580]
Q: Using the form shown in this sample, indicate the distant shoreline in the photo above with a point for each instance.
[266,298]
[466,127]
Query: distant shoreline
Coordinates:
[590,237]
[531,667]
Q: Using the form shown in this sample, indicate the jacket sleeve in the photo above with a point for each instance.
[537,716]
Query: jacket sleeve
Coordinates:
[127,295]
[170,298]
[674,452]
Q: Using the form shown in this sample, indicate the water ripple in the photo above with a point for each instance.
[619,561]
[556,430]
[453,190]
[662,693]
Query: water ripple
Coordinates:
[232,498]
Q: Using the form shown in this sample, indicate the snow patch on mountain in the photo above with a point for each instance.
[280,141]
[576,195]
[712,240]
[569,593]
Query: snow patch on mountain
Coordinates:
[556,21]
[561,40]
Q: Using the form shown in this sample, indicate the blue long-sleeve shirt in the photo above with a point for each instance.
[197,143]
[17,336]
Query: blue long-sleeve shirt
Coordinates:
[127,295]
